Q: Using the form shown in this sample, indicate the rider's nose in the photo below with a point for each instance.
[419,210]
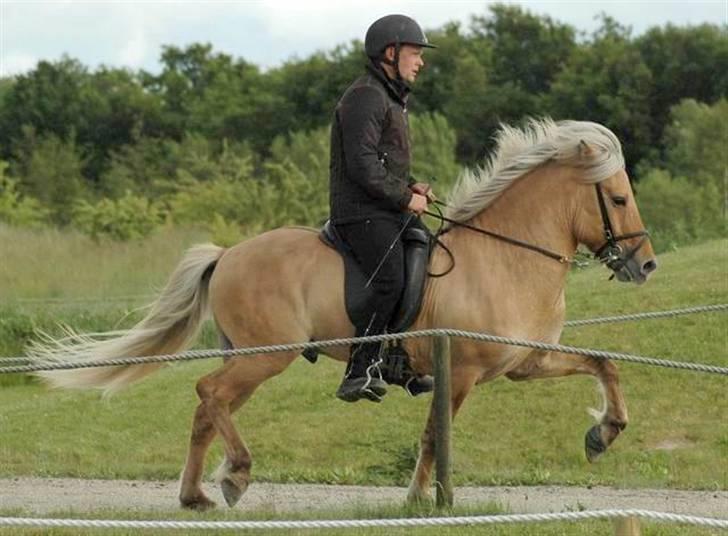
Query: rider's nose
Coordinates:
[649,266]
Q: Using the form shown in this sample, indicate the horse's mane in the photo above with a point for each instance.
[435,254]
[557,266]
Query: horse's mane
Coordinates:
[519,151]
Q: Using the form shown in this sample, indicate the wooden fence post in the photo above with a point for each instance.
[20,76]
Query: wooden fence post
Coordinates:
[443,421]
[627,526]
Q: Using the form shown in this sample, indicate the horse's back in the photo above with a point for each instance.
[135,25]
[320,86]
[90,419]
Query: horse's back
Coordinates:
[282,283]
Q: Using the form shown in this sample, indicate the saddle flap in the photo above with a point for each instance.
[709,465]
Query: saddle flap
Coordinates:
[417,254]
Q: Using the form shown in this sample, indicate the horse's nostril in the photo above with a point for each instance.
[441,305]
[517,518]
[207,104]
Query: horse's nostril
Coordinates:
[649,266]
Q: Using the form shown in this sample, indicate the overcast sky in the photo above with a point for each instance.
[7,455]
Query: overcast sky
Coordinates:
[130,33]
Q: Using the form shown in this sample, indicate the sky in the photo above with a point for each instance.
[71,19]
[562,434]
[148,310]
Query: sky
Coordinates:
[131,33]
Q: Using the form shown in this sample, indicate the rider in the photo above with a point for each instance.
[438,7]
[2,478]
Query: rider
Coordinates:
[371,193]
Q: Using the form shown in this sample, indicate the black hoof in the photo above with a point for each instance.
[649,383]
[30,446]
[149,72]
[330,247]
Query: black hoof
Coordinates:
[419,384]
[593,444]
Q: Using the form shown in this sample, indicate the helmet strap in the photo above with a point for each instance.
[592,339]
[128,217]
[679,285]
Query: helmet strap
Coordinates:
[395,62]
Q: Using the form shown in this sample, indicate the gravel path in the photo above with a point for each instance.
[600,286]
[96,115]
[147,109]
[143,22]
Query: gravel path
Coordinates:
[44,496]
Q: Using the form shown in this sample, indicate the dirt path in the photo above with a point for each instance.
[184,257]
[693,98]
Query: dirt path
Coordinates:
[43,496]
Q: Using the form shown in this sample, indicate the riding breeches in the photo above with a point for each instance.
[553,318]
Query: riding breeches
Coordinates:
[370,241]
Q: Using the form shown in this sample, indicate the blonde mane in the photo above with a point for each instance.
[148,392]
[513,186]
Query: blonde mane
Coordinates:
[519,151]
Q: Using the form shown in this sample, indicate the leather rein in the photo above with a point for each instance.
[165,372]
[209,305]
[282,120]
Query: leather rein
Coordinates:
[610,253]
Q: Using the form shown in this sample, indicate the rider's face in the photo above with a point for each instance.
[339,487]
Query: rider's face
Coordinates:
[410,61]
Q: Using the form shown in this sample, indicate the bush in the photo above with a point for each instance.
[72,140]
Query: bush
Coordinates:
[49,169]
[678,211]
[128,218]
[16,209]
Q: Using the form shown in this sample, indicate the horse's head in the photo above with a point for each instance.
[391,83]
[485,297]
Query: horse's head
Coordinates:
[609,224]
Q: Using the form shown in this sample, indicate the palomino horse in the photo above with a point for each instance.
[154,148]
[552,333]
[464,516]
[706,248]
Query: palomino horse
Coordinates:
[285,286]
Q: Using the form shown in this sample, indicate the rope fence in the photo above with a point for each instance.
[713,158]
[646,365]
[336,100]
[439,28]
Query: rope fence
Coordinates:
[369,523]
[7,362]
[193,355]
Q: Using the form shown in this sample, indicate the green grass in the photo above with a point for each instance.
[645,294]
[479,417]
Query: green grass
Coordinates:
[576,528]
[507,433]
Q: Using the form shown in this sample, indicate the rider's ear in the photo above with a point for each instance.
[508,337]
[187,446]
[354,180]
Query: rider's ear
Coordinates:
[585,150]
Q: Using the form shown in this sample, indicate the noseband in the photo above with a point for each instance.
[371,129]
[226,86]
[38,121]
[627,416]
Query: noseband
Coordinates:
[611,253]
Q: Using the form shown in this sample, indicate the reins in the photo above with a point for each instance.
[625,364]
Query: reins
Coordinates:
[513,241]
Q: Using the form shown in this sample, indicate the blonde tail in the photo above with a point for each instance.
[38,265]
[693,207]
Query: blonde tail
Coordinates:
[171,325]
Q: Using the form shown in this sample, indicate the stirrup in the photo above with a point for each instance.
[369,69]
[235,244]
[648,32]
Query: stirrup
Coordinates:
[354,389]
[396,370]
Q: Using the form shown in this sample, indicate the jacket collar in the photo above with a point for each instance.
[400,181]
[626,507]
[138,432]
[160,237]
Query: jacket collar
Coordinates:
[398,89]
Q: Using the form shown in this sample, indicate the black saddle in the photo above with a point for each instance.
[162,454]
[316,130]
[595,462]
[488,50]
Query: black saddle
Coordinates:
[417,247]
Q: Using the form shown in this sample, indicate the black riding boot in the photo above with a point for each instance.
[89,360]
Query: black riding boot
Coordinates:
[363,378]
[396,370]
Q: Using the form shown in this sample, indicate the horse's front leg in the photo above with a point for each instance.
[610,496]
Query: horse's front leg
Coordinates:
[612,419]
[419,489]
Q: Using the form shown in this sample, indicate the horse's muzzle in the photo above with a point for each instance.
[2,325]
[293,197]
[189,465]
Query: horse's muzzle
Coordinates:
[633,270]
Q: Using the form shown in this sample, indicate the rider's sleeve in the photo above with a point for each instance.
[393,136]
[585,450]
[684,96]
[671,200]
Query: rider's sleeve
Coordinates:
[362,117]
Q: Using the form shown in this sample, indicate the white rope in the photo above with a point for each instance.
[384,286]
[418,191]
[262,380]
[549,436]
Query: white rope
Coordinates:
[237,352]
[366,523]
[647,316]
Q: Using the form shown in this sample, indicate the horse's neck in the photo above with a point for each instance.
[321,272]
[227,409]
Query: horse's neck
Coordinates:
[493,271]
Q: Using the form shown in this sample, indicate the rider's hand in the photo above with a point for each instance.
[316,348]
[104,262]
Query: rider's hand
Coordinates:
[418,204]
[421,188]
[425,189]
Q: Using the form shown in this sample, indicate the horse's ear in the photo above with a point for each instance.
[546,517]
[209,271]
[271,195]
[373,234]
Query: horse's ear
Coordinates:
[585,149]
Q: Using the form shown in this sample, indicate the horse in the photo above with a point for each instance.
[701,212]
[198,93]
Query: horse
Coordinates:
[549,185]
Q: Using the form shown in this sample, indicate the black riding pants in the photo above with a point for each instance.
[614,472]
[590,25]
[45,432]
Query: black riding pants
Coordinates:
[370,240]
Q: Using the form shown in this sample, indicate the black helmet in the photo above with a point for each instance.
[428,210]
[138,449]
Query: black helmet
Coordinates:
[393,30]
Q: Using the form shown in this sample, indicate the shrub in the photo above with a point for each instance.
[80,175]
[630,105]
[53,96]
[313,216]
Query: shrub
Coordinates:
[128,218]
[16,209]
[678,211]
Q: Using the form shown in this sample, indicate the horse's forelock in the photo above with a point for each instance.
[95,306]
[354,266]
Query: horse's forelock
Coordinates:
[519,151]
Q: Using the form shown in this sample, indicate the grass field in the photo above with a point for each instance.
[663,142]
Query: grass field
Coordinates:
[507,433]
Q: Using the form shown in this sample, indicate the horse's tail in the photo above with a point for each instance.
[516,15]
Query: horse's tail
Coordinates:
[170,326]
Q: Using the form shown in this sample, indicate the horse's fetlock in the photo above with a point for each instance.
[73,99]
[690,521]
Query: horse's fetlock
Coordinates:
[619,424]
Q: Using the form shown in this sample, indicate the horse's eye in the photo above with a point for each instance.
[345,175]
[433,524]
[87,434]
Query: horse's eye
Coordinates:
[619,201]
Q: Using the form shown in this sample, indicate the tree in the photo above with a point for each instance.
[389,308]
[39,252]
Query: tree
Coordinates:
[16,208]
[46,99]
[696,142]
[608,82]
[528,51]
[685,62]
[49,170]
[433,151]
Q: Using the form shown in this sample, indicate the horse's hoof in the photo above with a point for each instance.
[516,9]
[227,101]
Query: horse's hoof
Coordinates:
[594,444]
[232,491]
[419,499]
[199,504]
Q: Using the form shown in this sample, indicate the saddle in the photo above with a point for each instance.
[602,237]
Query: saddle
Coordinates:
[417,248]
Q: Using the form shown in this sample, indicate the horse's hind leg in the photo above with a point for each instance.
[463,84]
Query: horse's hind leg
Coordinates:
[203,432]
[419,489]
[221,393]
[612,419]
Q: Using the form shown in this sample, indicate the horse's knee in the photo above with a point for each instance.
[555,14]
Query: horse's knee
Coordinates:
[204,389]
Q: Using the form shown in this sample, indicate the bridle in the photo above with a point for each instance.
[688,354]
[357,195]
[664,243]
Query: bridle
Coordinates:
[610,253]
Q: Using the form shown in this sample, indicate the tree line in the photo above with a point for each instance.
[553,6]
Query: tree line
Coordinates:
[215,140]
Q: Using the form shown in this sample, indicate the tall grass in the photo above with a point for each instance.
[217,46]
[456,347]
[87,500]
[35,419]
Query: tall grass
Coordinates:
[55,264]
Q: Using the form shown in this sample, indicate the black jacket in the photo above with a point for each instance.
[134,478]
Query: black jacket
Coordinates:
[370,151]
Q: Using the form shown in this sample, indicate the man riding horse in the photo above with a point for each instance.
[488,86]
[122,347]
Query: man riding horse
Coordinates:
[372,197]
